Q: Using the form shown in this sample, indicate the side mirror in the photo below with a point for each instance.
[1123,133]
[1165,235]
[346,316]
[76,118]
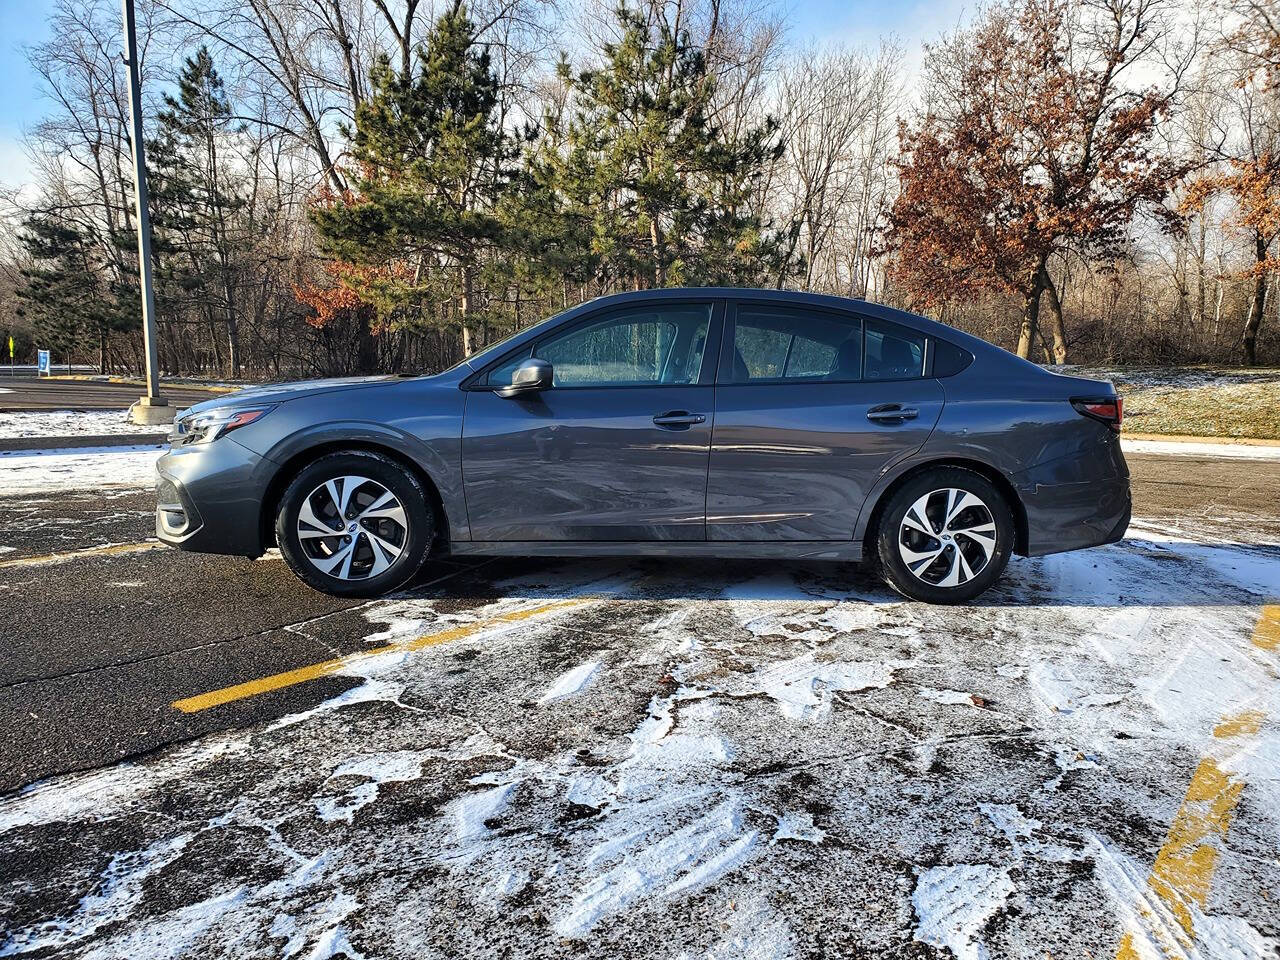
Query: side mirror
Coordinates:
[530,377]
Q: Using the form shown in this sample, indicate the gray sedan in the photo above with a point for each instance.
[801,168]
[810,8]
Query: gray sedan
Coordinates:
[677,423]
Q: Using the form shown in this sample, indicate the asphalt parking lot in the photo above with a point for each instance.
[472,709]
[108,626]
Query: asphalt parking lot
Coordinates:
[637,759]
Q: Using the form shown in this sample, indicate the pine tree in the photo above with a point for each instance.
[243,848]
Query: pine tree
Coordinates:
[62,292]
[194,208]
[431,167]
[664,189]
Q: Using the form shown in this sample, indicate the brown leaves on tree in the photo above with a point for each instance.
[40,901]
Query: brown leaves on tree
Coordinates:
[1032,144]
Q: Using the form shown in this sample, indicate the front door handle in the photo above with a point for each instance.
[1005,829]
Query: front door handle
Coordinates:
[678,418]
[891,413]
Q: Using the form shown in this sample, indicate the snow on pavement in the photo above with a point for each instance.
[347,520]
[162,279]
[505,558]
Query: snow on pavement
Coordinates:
[757,761]
[70,423]
[88,468]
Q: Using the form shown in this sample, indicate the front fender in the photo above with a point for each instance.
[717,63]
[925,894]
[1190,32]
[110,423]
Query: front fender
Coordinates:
[439,457]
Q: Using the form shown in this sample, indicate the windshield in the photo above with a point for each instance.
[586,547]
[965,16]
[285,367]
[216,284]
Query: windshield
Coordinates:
[481,357]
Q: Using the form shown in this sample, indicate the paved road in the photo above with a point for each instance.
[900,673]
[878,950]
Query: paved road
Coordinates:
[104,640]
[482,776]
[24,393]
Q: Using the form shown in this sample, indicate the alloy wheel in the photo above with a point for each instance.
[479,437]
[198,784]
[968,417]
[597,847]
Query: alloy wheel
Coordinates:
[352,528]
[947,537]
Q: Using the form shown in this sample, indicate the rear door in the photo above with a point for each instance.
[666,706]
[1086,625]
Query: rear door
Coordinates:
[811,406]
[616,449]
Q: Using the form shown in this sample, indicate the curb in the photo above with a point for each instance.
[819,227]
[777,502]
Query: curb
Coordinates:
[1187,438]
[130,381]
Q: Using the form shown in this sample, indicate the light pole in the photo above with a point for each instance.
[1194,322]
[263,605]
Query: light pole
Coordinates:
[152,408]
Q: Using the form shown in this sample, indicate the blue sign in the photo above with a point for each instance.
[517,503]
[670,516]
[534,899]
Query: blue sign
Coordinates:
[42,361]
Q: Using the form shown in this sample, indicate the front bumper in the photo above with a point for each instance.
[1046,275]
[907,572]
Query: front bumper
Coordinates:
[209,498]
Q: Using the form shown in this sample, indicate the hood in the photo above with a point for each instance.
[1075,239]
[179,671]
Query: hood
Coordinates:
[279,392]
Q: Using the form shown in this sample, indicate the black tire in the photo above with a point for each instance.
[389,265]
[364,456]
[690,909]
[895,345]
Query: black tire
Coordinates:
[894,568]
[407,488]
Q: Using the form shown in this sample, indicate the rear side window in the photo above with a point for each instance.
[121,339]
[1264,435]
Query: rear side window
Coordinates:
[779,343]
[893,352]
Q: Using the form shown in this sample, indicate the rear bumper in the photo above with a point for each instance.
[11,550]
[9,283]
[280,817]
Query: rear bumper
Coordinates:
[209,498]
[1080,500]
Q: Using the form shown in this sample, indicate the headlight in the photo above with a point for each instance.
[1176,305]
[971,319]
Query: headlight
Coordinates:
[210,425]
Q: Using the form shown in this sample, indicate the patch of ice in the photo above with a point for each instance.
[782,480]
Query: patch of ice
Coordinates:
[571,681]
[952,904]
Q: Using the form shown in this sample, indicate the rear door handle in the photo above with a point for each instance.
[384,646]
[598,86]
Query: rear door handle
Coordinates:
[890,412]
[678,418]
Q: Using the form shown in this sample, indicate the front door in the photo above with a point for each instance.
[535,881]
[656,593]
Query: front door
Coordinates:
[811,405]
[616,449]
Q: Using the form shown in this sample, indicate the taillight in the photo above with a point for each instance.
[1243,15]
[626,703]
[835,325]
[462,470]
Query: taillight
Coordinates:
[1110,410]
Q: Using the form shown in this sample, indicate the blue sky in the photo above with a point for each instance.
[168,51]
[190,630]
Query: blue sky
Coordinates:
[24,22]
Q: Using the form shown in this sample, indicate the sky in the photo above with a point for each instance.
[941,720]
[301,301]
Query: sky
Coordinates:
[25,22]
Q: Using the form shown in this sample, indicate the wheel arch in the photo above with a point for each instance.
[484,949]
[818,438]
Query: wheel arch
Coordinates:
[294,465]
[868,531]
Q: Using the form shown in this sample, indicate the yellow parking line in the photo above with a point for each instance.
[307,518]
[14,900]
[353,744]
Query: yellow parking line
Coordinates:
[1182,874]
[289,678]
[110,550]
[1267,635]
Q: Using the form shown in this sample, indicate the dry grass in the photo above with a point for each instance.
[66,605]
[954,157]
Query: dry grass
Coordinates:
[1197,401]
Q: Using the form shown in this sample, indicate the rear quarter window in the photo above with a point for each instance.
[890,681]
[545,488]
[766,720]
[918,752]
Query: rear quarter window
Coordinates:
[948,359]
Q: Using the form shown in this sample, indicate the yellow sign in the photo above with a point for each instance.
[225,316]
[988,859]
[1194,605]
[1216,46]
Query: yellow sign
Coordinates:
[11,347]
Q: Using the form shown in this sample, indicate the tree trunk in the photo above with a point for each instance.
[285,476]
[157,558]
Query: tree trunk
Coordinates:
[1056,330]
[102,349]
[1250,339]
[659,269]
[1031,314]
[468,283]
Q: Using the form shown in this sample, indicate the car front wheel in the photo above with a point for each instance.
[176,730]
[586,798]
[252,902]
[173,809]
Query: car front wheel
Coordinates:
[354,524]
[945,536]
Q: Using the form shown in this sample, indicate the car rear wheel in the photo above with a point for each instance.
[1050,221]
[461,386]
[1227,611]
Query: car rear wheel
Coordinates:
[355,524]
[945,536]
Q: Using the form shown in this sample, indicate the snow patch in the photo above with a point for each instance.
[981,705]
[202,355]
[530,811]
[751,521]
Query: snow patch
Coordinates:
[71,423]
[1190,448]
[374,770]
[798,826]
[801,686]
[92,468]
[571,682]
[952,904]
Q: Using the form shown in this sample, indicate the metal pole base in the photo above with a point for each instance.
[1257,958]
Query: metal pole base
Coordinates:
[151,411]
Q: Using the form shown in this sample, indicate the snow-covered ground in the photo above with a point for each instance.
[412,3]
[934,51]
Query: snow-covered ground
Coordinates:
[69,423]
[1198,448]
[617,759]
[88,468]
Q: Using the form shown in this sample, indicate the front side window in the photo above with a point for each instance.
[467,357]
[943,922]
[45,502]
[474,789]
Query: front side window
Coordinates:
[661,344]
[778,343]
